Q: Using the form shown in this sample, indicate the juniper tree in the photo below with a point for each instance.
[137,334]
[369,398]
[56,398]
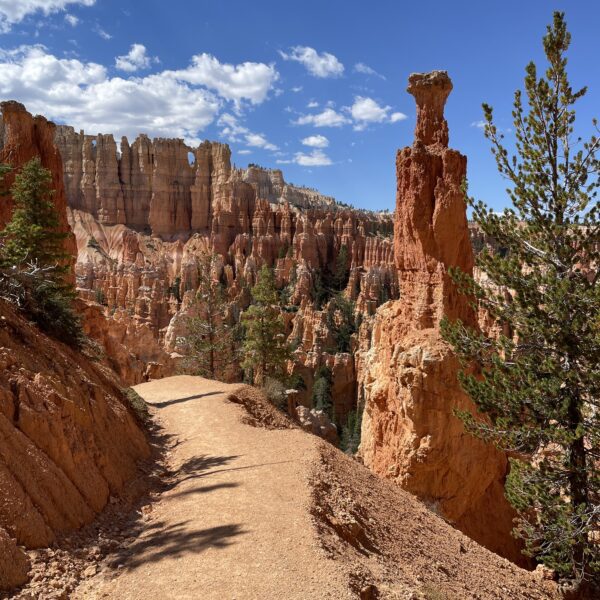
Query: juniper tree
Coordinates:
[265,348]
[539,385]
[210,341]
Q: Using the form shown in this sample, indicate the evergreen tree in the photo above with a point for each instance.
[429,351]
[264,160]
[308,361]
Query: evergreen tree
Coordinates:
[265,347]
[210,340]
[341,270]
[33,262]
[540,385]
[321,394]
[32,235]
[341,322]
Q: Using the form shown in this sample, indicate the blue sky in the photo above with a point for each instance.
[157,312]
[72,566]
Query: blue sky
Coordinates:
[316,88]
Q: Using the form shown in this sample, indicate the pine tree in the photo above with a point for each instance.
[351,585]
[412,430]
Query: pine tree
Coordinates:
[321,395]
[341,270]
[32,235]
[210,341]
[33,262]
[539,385]
[265,348]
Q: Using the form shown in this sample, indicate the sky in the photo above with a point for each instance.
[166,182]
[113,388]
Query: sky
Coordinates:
[316,88]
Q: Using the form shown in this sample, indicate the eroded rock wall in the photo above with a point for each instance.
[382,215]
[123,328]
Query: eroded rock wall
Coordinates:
[68,440]
[141,271]
[406,371]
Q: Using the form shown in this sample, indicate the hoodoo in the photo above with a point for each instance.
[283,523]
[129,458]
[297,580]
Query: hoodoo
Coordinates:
[406,370]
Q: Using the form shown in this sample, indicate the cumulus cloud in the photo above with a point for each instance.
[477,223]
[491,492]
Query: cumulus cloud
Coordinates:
[234,131]
[316,141]
[83,95]
[14,11]
[316,158]
[319,65]
[326,118]
[364,69]
[72,20]
[313,104]
[246,81]
[134,60]
[259,141]
[365,111]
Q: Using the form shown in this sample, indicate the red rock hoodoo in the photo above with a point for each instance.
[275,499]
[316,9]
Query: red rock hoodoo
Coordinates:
[406,371]
[143,217]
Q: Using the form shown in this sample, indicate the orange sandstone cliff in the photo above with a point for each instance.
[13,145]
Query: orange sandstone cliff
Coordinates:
[68,440]
[406,371]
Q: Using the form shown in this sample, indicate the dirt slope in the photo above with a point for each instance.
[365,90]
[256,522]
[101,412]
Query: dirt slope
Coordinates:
[260,512]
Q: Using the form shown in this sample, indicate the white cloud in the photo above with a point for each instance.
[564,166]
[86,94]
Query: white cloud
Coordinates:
[258,140]
[320,65]
[297,89]
[397,116]
[327,118]
[313,104]
[14,11]
[316,141]
[82,94]
[364,69]
[244,151]
[72,20]
[134,60]
[246,81]
[365,111]
[234,131]
[102,33]
[317,158]
[478,124]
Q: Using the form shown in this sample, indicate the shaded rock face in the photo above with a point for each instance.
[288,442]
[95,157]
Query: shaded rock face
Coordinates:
[406,372]
[23,137]
[14,563]
[67,439]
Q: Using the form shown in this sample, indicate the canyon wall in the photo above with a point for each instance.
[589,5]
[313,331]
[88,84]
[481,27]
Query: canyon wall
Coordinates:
[406,371]
[68,440]
[144,218]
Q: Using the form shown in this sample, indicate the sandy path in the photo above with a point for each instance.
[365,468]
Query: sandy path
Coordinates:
[235,525]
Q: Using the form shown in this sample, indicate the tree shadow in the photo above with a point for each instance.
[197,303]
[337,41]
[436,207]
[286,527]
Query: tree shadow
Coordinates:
[204,490]
[186,399]
[174,541]
[195,467]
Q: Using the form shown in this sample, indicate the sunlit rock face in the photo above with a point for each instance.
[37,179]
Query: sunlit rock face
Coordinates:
[406,371]
[144,216]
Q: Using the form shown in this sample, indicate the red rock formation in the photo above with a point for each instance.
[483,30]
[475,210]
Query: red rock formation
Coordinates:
[67,439]
[248,217]
[406,371]
[23,137]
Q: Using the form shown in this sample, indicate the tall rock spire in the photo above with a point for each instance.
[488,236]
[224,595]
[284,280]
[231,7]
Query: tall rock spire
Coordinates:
[407,372]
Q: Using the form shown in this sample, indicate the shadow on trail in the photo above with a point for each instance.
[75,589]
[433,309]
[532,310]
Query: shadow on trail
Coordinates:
[174,541]
[186,399]
[194,473]
[204,490]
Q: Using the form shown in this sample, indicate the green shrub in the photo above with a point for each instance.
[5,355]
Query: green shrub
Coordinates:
[275,392]
[137,404]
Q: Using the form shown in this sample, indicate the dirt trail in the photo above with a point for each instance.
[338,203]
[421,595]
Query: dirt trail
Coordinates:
[235,524]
